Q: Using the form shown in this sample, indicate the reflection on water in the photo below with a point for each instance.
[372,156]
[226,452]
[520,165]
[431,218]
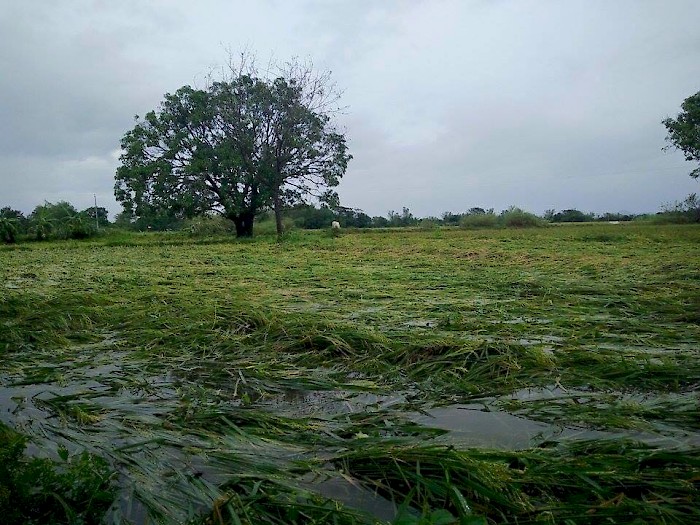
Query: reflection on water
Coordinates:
[472,426]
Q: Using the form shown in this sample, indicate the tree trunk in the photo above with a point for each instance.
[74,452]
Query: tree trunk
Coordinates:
[244,224]
[278,214]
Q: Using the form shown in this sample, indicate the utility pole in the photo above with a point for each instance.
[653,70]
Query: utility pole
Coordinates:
[97,222]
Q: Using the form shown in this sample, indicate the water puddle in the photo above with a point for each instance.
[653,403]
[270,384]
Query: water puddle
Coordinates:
[475,426]
[472,426]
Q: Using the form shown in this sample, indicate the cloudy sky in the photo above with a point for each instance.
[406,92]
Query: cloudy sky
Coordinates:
[450,103]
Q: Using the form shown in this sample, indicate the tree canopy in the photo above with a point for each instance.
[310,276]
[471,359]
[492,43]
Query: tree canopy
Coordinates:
[238,147]
[684,131]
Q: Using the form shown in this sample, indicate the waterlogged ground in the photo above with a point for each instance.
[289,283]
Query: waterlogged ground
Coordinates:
[435,377]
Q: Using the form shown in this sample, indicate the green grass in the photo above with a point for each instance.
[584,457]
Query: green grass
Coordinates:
[279,382]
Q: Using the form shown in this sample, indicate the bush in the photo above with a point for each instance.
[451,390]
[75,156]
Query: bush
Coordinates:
[77,227]
[208,226]
[479,220]
[572,216]
[684,212]
[516,218]
[8,231]
[428,224]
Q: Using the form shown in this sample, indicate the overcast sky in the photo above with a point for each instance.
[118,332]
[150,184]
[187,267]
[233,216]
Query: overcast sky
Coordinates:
[451,104]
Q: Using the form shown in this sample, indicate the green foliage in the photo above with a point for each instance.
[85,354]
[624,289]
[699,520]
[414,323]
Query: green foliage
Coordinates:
[78,227]
[238,146]
[351,218]
[684,131]
[405,218]
[451,219]
[102,215]
[59,212]
[16,218]
[267,226]
[208,226]
[61,221]
[380,222]
[8,230]
[479,220]
[309,217]
[514,217]
[77,490]
[429,223]
[41,227]
[570,216]
[618,217]
[683,212]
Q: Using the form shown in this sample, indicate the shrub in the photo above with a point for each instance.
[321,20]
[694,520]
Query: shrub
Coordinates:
[208,226]
[8,231]
[479,220]
[77,227]
[41,228]
[430,223]
[572,216]
[684,212]
[516,218]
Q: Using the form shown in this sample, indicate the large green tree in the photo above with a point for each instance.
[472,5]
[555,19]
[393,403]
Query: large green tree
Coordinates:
[238,147]
[684,131]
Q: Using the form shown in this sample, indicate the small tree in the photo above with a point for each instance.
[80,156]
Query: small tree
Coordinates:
[8,230]
[405,218]
[49,218]
[102,215]
[21,221]
[571,216]
[60,220]
[450,218]
[684,131]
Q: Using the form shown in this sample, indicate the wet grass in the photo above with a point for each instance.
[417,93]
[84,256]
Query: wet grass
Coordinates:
[242,382]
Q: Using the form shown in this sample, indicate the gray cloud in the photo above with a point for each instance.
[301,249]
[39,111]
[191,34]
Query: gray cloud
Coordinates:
[452,104]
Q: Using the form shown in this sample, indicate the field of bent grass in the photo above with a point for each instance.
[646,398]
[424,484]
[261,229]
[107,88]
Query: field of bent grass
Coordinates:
[407,377]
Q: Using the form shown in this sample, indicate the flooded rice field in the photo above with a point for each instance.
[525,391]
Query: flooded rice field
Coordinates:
[325,380]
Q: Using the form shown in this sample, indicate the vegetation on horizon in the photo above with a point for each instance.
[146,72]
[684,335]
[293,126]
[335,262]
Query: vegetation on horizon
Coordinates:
[684,131]
[63,221]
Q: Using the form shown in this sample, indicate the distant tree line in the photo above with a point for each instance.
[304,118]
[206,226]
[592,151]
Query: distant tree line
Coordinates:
[307,216]
[62,220]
